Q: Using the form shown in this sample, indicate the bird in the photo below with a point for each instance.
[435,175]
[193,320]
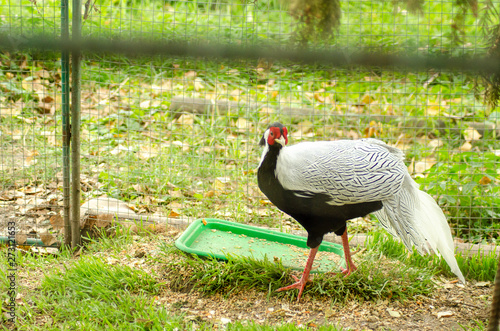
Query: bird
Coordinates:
[323,184]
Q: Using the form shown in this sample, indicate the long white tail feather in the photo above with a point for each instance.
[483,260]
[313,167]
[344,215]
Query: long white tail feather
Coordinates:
[414,217]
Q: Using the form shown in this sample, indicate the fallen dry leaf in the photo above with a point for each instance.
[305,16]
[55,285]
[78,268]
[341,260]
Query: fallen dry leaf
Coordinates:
[173,213]
[393,313]
[57,222]
[209,194]
[185,119]
[367,99]
[465,147]
[471,134]
[319,97]
[423,165]
[174,205]
[485,180]
[243,124]
[147,153]
[53,141]
[31,158]
[47,238]
[352,135]
[145,104]
[436,143]
[302,129]
[120,148]
[444,314]
[137,188]
[44,74]
[103,220]
[190,74]
[21,239]
[432,110]
[156,227]
[47,99]
[31,189]
[198,84]
[374,129]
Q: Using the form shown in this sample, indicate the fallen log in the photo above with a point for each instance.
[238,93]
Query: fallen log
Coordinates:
[200,106]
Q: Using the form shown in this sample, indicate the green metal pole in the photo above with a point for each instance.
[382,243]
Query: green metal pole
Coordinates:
[75,126]
[495,304]
[29,242]
[65,123]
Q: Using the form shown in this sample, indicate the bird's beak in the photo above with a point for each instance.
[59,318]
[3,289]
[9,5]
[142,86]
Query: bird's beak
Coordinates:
[281,141]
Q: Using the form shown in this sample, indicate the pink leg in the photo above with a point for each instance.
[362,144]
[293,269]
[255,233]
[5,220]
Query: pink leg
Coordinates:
[301,283]
[347,255]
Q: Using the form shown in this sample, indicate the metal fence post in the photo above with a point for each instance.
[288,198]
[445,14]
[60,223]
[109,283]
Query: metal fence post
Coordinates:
[65,123]
[75,126]
[495,304]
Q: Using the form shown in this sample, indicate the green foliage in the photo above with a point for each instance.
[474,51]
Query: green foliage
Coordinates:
[318,18]
[372,24]
[467,179]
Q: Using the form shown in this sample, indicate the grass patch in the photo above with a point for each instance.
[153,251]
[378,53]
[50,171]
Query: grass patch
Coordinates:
[91,277]
[93,295]
[115,238]
[480,267]
[373,280]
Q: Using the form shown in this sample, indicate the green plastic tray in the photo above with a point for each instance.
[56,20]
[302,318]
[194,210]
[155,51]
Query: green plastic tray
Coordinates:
[217,238]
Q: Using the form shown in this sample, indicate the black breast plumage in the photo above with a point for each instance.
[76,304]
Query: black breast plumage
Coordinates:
[311,210]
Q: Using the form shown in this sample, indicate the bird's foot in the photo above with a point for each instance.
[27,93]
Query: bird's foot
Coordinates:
[348,271]
[299,284]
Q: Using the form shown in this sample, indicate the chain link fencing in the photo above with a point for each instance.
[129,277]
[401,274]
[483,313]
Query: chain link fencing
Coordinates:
[175,96]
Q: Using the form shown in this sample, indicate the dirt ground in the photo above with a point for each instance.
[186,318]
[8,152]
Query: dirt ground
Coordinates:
[447,310]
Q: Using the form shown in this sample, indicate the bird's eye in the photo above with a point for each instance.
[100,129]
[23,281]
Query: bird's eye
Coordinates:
[271,134]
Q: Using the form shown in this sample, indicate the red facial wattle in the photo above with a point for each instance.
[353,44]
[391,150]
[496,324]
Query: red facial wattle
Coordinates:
[285,134]
[275,133]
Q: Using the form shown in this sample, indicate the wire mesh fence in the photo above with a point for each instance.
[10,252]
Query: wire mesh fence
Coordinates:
[171,137]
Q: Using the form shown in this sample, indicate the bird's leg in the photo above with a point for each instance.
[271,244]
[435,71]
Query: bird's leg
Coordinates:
[301,283]
[347,255]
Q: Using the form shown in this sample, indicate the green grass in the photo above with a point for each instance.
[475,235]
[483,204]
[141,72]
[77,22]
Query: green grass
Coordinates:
[114,239]
[91,294]
[477,267]
[371,282]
